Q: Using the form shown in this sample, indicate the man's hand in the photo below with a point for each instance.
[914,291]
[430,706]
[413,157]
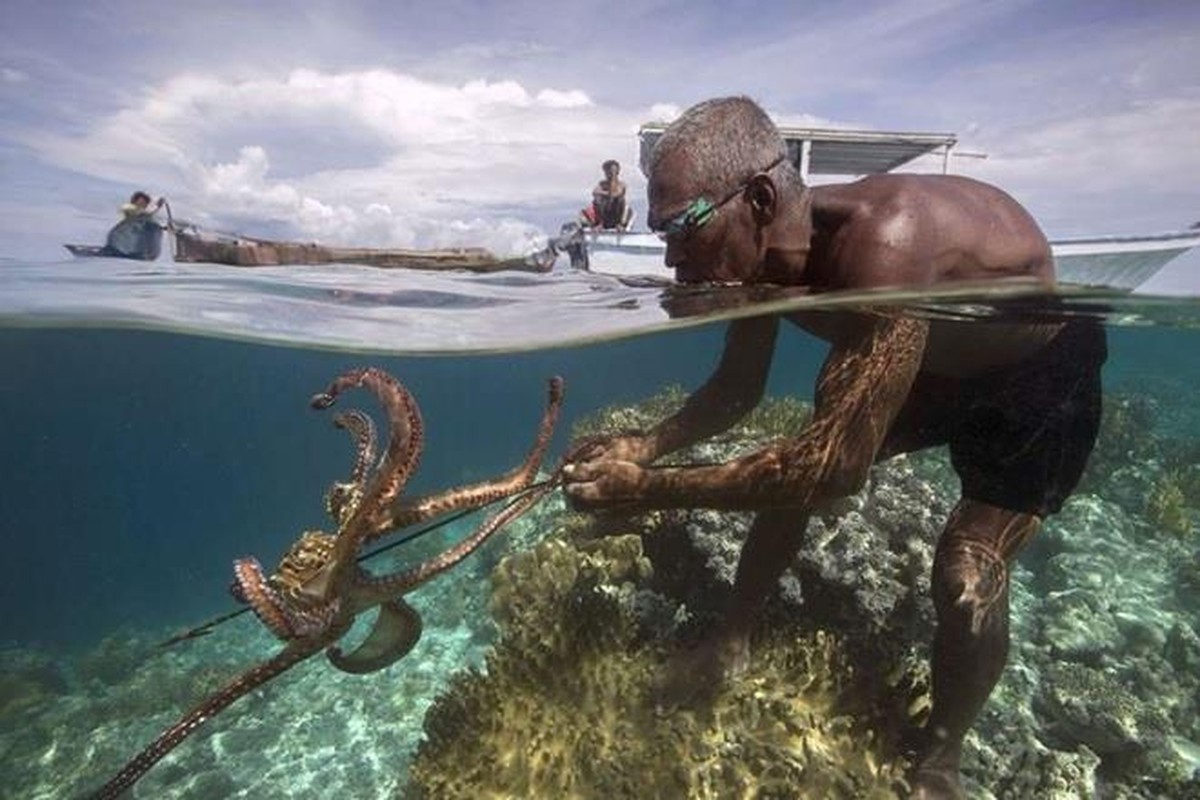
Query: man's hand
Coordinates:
[604,483]
[635,447]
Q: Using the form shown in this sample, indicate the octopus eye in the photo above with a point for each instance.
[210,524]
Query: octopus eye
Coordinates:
[235,589]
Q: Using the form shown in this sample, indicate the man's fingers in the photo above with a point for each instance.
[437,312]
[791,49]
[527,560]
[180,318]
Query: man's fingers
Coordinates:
[584,451]
[577,472]
[582,495]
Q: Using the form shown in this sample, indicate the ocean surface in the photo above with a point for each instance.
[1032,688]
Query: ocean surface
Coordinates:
[157,427]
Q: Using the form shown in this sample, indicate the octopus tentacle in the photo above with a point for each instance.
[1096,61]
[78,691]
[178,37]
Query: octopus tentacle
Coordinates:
[169,739]
[405,429]
[403,582]
[252,587]
[405,441]
[477,495]
[378,588]
[396,631]
[361,428]
[343,499]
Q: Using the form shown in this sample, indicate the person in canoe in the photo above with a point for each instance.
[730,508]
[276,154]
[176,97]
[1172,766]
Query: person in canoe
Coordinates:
[139,205]
[609,210]
[139,233]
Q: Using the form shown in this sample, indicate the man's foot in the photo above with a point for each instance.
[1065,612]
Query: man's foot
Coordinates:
[696,675]
[930,783]
[935,774]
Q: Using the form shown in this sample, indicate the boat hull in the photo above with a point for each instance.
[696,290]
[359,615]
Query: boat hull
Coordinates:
[1114,262]
[138,238]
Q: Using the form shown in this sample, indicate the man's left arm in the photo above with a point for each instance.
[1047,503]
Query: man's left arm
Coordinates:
[862,386]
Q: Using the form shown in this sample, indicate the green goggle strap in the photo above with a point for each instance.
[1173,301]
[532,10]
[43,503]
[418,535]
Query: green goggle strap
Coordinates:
[696,215]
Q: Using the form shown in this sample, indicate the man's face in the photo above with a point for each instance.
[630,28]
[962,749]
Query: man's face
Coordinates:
[612,171]
[723,249]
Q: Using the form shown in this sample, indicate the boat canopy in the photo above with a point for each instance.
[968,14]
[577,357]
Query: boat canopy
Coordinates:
[835,151]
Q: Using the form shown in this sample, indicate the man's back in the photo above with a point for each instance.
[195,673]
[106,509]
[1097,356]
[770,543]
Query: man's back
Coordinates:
[921,230]
[928,230]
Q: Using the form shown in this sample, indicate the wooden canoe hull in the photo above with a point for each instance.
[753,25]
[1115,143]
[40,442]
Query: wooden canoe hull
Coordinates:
[244,252]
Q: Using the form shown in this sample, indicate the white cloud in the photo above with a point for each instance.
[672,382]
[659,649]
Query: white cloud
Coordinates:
[551,98]
[664,112]
[375,157]
[1112,171]
[10,75]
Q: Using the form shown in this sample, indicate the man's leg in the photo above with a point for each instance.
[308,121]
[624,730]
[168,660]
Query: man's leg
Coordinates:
[970,645]
[770,548]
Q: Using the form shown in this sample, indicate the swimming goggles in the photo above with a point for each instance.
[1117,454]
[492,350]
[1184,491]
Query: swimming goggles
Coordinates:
[701,211]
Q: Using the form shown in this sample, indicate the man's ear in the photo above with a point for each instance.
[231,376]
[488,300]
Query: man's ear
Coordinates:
[762,196]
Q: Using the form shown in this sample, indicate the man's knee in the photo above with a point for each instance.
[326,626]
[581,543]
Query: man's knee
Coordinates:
[970,584]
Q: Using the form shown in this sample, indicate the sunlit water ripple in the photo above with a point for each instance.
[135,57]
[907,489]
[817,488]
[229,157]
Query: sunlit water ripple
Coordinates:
[408,312]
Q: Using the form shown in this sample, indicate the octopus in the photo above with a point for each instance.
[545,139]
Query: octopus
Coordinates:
[320,588]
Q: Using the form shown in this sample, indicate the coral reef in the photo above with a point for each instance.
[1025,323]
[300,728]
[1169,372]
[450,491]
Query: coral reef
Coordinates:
[1173,501]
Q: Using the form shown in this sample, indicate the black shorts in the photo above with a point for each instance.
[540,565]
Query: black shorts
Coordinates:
[1019,437]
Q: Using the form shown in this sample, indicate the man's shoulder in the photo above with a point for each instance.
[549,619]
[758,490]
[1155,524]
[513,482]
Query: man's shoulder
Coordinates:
[878,200]
[889,185]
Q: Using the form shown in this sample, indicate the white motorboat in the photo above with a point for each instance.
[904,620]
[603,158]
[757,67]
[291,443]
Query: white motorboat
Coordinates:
[1113,262]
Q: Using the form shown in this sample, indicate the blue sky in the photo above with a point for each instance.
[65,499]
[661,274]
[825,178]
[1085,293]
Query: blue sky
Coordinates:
[450,122]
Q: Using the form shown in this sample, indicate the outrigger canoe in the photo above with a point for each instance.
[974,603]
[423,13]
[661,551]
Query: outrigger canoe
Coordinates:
[141,238]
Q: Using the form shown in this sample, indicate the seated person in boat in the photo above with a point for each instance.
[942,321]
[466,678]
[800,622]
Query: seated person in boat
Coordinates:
[139,206]
[608,210]
[1017,403]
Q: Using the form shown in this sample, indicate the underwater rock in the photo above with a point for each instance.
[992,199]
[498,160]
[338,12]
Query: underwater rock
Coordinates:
[1102,581]
[866,568]
[1182,650]
[1127,454]
[1084,705]
[1095,680]
[1054,775]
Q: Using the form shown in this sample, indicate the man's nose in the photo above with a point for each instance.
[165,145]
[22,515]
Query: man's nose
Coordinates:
[674,254]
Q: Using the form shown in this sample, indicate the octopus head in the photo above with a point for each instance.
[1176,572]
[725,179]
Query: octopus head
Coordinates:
[303,573]
[292,602]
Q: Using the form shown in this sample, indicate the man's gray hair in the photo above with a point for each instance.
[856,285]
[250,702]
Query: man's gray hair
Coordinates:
[728,140]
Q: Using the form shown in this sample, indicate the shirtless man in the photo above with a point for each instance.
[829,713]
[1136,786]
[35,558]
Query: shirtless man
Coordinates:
[609,209]
[1018,404]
